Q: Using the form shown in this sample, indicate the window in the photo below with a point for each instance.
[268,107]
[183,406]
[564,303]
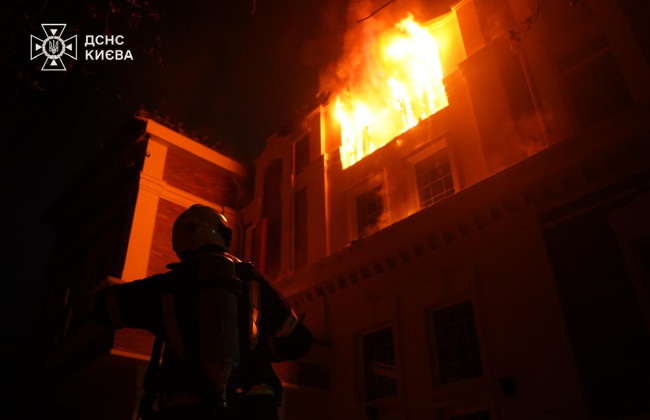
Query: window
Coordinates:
[301,149]
[456,343]
[594,82]
[379,365]
[300,228]
[433,175]
[370,208]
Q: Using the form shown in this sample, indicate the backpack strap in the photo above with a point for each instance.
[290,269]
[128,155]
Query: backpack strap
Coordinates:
[146,410]
[171,325]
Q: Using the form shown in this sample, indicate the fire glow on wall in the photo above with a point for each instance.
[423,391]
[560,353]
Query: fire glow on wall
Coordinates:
[399,84]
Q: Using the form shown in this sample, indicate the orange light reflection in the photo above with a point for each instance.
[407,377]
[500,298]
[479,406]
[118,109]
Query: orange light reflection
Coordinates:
[401,84]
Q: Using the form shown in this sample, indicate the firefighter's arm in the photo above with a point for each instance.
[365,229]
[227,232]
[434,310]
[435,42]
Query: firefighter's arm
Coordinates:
[288,338]
[104,307]
[122,305]
[290,345]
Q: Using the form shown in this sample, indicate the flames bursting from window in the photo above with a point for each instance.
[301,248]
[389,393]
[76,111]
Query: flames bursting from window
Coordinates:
[399,85]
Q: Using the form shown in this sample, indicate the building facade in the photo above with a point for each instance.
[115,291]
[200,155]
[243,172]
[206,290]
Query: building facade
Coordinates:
[491,262]
[478,265]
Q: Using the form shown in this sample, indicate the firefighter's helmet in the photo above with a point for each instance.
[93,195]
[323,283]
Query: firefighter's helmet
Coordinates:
[200,226]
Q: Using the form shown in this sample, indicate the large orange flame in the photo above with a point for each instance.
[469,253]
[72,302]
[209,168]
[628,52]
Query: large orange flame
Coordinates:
[401,84]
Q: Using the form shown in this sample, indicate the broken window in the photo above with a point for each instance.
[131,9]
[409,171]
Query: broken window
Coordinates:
[370,208]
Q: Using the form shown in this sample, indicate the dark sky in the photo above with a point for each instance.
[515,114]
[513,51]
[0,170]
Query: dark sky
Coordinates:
[224,72]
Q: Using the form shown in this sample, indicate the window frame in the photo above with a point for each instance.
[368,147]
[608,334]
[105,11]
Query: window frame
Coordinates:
[433,348]
[373,181]
[433,147]
[360,365]
[579,56]
[371,221]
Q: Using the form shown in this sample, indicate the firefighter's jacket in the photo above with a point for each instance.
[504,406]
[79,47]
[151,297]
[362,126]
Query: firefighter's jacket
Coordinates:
[168,306]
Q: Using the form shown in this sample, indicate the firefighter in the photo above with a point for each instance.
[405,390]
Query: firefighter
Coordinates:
[221,325]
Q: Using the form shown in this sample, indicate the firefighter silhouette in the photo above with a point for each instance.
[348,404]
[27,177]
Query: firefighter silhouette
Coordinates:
[221,325]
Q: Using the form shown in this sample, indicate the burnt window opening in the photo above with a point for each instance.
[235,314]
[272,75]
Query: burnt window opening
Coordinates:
[379,365]
[301,154]
[370,208]
[300,228]
[456,342]
[434,179]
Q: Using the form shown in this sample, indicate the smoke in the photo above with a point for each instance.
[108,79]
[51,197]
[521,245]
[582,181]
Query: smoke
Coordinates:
[359,41]
[355,63]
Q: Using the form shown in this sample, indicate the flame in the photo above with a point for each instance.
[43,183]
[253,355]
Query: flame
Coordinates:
[400,84]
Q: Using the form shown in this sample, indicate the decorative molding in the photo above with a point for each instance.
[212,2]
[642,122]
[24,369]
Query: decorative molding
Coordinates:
[616,163]
[197,149]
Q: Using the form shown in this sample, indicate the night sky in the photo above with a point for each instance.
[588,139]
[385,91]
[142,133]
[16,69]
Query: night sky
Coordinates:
[216,67]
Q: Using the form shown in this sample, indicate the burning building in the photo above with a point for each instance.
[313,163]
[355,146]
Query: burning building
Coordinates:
[462,222]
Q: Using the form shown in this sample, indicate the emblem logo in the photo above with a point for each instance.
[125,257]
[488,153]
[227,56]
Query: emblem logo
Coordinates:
[53,47]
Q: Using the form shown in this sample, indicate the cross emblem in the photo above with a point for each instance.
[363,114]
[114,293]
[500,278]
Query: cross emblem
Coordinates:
[53,47]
